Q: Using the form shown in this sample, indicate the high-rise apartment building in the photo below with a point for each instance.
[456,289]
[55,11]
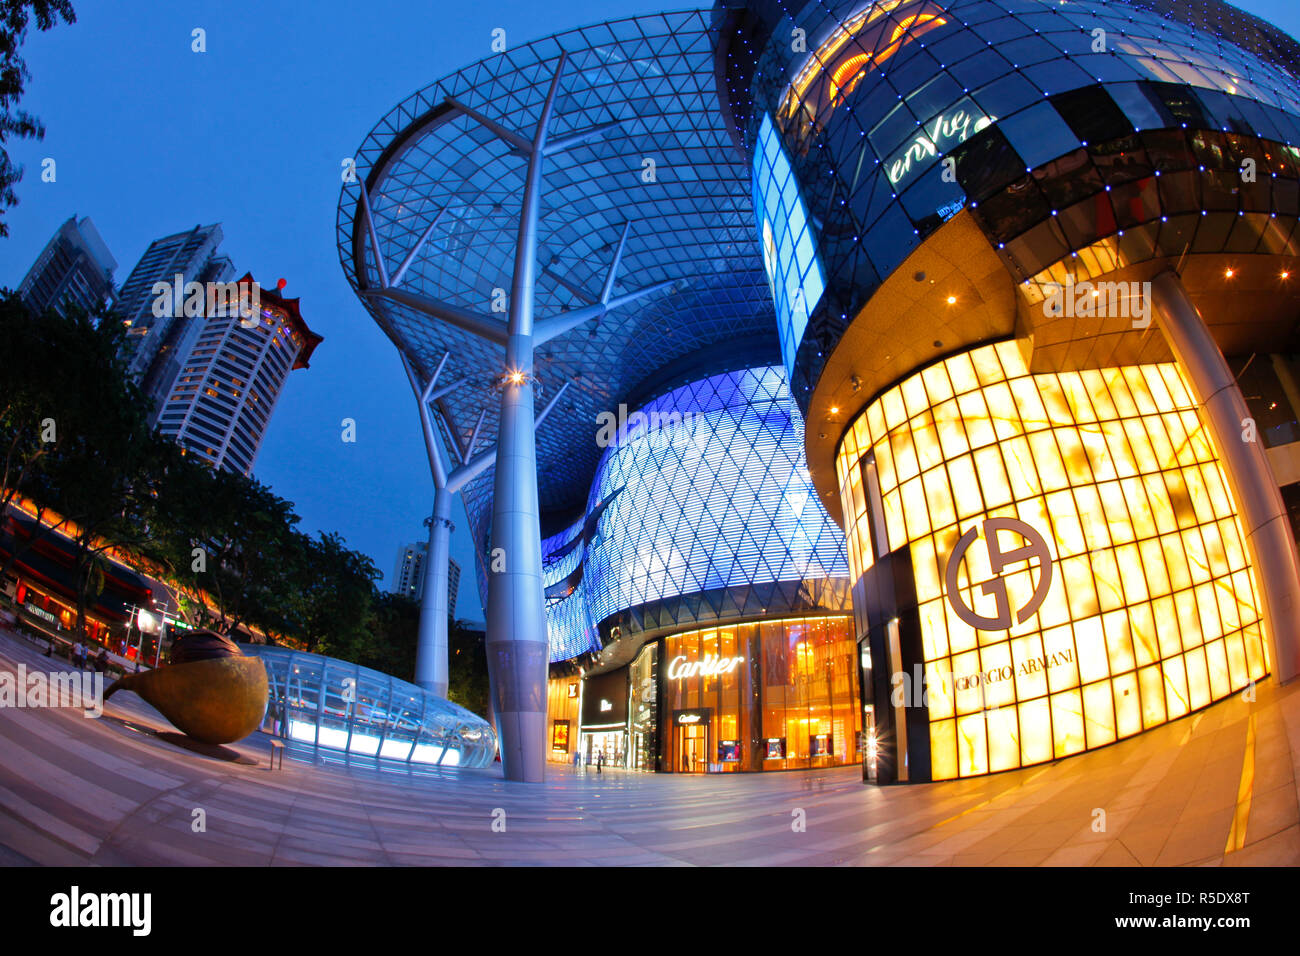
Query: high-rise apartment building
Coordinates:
[191,255]
[174,347]
[408,577]
[220,403]
[74,268]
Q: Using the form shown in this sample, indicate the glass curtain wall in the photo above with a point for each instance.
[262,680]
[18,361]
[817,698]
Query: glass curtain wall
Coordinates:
[643,713]
[765,695]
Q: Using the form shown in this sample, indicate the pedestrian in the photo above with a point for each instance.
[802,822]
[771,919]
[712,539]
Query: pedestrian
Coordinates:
[577,759]
[101,660]
[79,654]
[600,760]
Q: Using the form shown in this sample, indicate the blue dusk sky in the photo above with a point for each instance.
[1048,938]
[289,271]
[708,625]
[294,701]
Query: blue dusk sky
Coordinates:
[151,138]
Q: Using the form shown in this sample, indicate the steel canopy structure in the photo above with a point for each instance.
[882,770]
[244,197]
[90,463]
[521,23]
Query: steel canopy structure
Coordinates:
[630,192]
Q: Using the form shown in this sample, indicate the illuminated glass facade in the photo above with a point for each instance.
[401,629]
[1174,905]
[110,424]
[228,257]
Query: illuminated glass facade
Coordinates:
[701,510]
[769,695]
[1064,483]
[337,706]
[1150,607]
[1062,123]
[789,246]
[562,699]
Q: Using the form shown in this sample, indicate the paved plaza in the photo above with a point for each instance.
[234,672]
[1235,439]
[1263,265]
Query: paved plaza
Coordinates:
[1216,788]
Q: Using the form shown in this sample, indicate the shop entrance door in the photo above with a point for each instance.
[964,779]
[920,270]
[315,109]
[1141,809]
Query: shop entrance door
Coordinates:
[693,747]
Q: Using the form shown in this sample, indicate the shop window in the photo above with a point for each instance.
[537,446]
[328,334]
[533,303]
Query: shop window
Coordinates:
[1092,114]
[1014,210]
[1152,613]
[783,696]
[985,163]
[1140,105]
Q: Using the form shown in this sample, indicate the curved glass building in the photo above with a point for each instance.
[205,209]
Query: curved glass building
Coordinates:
[338,706]
[975,319]
[1031,247]
[701,510]
[702,540]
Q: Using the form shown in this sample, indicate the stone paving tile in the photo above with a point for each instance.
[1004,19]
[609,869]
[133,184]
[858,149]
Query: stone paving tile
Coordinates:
[76,791]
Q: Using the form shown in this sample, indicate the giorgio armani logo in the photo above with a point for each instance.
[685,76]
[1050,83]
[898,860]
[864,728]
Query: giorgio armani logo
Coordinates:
[1035,548]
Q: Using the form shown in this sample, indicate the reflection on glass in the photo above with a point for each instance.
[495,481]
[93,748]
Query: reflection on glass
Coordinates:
[336,705]
[784,696]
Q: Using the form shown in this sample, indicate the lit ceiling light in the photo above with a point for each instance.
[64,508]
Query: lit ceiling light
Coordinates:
[952,300]
[1228,273]
[1286,275]
[515,378]
[835,409]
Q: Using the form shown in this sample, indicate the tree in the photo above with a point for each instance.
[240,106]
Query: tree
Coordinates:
[227,542]
[74,432]
[98,479]
[57,373]
[393,632]
[334,588]
[14,18]
[467,671]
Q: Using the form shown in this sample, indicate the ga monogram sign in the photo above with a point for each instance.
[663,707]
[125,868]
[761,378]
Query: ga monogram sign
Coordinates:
[998,560]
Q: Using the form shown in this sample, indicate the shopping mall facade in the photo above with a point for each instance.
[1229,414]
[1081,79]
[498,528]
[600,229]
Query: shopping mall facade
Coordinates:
[947,421]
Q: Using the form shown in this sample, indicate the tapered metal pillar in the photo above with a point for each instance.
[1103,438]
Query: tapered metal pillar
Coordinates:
[431,651]
[516,615]
[1269,539]
[516,612]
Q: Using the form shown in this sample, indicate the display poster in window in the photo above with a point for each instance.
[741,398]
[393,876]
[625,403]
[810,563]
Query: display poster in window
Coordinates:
[560,736]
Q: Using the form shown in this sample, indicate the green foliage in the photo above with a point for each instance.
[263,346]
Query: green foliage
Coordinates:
[390,638]
[229,546]
[467,668]
[14,18]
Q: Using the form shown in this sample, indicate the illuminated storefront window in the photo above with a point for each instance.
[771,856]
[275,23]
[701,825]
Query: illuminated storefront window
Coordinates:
[766,695]
[1077,571]
[643,709]
[562,698]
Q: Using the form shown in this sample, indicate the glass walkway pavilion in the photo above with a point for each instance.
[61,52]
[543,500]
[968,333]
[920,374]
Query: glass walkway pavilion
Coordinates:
[339,706]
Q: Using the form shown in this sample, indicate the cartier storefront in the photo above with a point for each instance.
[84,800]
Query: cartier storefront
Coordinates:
[766,695]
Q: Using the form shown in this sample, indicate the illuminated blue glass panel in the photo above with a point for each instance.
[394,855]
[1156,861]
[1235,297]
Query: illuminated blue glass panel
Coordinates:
[794,270]
[707,490]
